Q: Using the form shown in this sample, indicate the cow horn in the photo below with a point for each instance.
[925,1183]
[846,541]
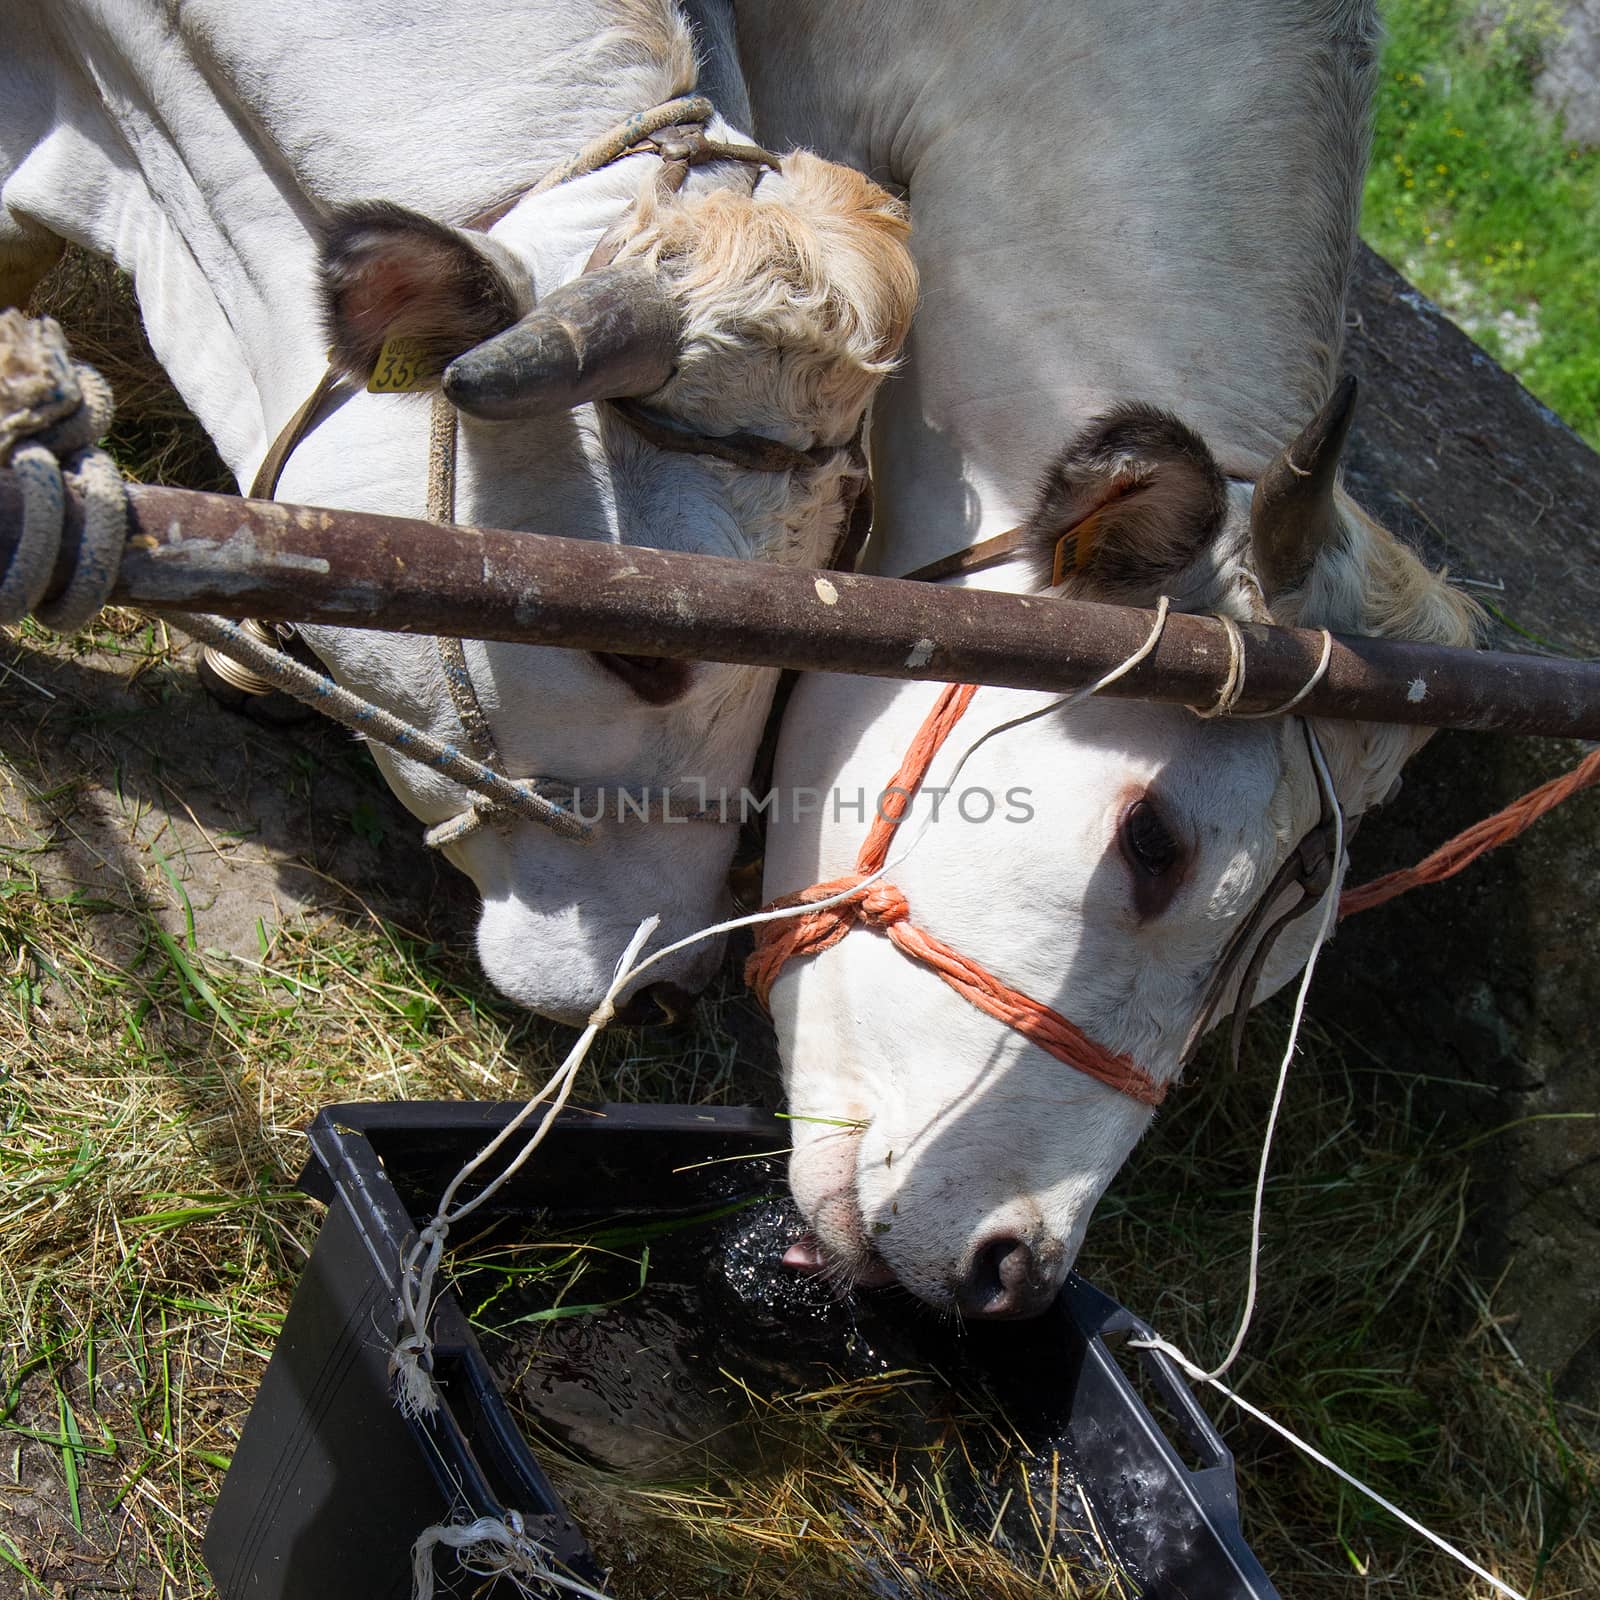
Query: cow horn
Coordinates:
[612,332]
[1292,515]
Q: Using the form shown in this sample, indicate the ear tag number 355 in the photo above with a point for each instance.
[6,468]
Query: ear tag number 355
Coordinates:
[402,367]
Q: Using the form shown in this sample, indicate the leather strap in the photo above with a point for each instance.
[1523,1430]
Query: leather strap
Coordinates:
[1311,867]
[986,553]
[750,450]
[264,486]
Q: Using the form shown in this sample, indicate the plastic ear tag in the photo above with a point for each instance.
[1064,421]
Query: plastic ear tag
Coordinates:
[1077,545]
[403,366]
[1058,571]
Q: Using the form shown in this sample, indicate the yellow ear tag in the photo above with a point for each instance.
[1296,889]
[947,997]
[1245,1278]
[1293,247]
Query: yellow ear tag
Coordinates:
[403,366]
[1079,542]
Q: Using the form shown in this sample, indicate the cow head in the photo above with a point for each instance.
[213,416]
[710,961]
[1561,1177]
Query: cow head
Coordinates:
[1096,859]
[772,308]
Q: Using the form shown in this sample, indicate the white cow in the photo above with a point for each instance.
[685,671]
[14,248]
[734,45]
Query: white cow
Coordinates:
[276,178]
[1134,225]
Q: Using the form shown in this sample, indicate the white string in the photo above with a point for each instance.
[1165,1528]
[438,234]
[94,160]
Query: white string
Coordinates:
[1061,703]
[1165,1346]
[1333,1466]
[1330,911]
[1233,684]
[1305,688]
[490,1547]
[411,1359]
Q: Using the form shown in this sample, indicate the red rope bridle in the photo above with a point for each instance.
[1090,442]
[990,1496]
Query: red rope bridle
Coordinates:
[882,907]
[1480,838]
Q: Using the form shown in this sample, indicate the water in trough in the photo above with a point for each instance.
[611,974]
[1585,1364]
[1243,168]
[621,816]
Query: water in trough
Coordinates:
[677,1380]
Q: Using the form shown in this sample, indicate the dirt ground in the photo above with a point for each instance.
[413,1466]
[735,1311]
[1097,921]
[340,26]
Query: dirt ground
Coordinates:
[128,790]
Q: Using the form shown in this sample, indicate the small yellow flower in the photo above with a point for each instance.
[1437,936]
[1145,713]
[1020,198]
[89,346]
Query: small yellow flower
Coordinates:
[1440,168]
[1449,244]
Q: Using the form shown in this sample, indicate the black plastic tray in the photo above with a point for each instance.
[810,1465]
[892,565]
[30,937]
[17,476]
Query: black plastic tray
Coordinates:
[330,1484]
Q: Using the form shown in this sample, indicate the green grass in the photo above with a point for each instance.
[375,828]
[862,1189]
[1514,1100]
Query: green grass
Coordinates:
[1477,197]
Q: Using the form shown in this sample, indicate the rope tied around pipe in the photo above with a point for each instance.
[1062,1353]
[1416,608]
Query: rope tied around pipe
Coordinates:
[53,413]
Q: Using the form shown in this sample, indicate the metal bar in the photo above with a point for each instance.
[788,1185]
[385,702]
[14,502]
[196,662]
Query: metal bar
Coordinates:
[201,552]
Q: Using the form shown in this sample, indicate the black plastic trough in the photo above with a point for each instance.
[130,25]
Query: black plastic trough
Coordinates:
[330,1484]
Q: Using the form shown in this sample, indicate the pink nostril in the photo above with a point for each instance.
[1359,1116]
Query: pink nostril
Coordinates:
[1003,1281]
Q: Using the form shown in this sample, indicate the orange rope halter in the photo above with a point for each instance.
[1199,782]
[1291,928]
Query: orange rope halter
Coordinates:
[883,907]
[1475,841]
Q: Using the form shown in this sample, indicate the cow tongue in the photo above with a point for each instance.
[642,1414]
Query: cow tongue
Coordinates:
[806,1255]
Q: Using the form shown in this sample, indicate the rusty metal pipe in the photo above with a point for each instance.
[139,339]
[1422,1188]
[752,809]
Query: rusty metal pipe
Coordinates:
[203,552]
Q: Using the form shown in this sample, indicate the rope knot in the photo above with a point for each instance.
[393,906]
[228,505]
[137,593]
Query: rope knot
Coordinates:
[51,413]
[882,905]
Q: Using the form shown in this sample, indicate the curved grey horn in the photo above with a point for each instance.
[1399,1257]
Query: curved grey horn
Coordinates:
[1291,513]
[609,333]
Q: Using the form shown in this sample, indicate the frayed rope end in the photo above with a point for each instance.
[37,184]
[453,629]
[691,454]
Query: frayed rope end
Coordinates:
[493,1547]
[410,1371]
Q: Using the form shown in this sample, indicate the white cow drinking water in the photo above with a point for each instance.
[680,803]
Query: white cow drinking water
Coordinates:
[1134,225]
[275,177]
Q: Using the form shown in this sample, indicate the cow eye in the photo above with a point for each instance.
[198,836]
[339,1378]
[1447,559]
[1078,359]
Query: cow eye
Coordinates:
[1148,844]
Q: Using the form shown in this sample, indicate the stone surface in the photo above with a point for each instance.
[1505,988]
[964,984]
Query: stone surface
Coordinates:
[1569,83]
[1485,987]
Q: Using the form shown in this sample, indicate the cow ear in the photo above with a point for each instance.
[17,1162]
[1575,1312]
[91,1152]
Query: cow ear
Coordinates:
[388,273]
[1126,507]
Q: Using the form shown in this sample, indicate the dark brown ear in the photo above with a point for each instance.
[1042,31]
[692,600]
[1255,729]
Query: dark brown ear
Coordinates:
[1127,506]
[390,273]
